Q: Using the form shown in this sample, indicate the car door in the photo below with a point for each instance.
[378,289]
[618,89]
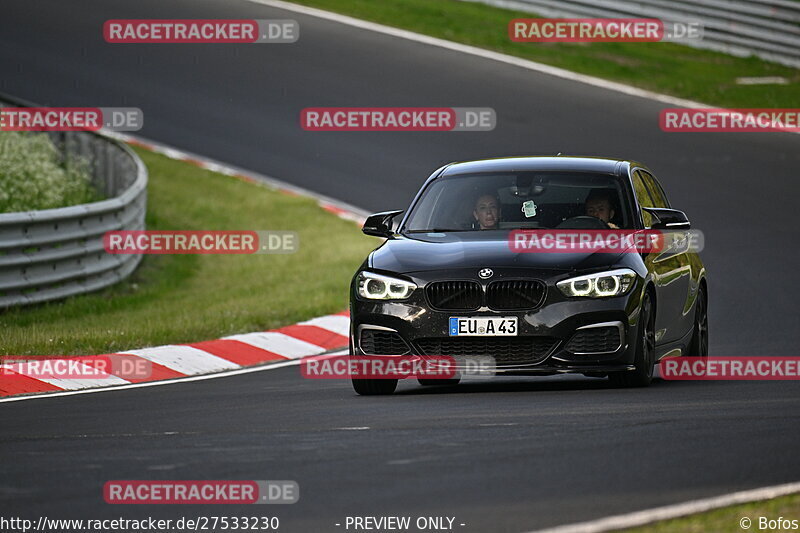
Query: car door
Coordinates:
[670,268]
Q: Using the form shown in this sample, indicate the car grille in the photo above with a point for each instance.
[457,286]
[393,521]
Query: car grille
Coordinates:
[595,340]
[500,295]
[519,294]
[377,342]
[455,295]
[505,350]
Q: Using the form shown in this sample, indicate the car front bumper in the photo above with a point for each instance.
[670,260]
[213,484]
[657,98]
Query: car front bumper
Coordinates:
[557,320]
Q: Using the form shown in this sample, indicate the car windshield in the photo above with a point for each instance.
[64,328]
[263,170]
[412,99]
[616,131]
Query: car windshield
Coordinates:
[520,200]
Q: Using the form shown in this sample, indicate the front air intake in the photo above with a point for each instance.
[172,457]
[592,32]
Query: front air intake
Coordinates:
[380,342]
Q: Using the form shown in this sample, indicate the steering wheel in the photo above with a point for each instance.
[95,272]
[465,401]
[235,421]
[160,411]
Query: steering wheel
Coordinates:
[583,222]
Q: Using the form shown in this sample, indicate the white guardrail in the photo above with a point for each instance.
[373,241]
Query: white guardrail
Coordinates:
[54,253]
[769,29]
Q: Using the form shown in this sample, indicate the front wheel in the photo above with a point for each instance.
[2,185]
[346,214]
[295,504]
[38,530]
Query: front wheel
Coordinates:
[645,358]
[698,347]
[374,387]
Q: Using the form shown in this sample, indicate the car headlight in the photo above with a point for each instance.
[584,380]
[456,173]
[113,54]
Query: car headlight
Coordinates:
[599,285]
[377,287]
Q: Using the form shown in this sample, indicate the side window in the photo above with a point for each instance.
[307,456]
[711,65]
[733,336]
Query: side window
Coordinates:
[643,198]
[656,192]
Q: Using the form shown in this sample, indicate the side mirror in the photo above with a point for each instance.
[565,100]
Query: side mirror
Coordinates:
[380,224]
[668,219]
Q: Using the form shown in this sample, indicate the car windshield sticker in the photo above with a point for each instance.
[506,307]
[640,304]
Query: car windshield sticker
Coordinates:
[529,208]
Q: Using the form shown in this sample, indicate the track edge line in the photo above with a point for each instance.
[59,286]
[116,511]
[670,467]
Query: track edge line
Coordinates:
[668,512]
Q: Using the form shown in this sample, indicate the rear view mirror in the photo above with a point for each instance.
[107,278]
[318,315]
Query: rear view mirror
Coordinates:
[668,218]
[380,224]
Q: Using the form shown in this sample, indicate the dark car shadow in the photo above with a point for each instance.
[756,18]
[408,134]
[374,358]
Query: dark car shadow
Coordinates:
[540,384]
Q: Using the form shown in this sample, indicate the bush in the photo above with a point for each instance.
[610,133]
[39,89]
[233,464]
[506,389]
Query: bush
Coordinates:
[33,175]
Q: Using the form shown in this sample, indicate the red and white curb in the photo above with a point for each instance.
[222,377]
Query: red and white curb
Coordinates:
[313,337]
[319,335]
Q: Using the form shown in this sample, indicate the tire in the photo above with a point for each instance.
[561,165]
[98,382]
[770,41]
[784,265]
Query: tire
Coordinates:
[698,347]
[440,382]
[374,387]
[645,350]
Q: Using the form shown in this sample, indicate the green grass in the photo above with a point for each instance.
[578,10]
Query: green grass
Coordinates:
[33,175]
[727,519]
[701,75]
[190,298]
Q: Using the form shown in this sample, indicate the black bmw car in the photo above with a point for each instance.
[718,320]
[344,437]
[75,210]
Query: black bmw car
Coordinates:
[447,282]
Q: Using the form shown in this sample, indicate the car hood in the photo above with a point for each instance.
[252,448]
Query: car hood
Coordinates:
[437,251]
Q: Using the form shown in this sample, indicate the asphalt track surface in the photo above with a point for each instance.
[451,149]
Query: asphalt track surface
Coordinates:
[511,454]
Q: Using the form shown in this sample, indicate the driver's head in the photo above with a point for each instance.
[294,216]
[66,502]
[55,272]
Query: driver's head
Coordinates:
[487,211]
[599,205]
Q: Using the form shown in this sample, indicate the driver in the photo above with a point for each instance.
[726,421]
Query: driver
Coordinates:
[487,212]
[599,205]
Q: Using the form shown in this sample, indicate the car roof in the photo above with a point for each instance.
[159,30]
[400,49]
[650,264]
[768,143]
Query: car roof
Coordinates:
[544,163]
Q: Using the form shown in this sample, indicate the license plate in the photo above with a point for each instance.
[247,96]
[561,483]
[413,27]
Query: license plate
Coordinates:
[477,326]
